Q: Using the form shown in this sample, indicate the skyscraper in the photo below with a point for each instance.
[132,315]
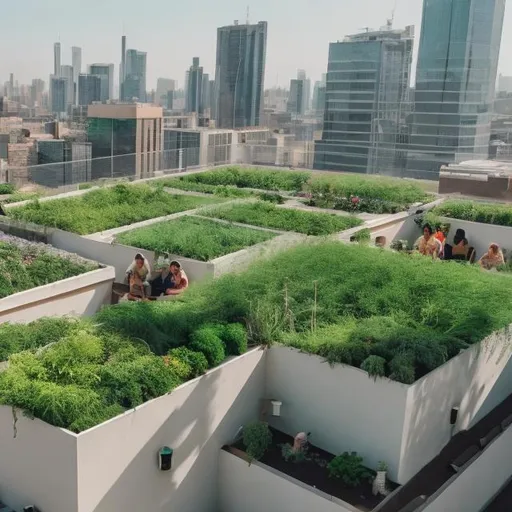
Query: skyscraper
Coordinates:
[366,102]
[67,73]
[36,92]
[240,74]
[455,83]
[76,62]
[194,92]
[295,103]
[106,74]
[306,98]
[56,59]
[122,68]
[135,76]
[58,94]
[163,86]
[90,89]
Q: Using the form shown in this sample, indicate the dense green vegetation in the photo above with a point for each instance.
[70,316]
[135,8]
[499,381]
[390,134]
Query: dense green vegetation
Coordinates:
[392,314]
[363,194]
[487,213]
[26,267]
[270,216]
[252,178]
[191,186]
[107,208]
[192,237]
[7,188]
[17,197]
[73,375]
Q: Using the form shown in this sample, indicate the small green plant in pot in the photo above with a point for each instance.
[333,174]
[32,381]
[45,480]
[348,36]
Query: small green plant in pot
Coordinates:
[349,468]
[289,455]
[256,438]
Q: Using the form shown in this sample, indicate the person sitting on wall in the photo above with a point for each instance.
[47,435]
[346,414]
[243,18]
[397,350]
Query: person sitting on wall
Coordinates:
[137,275]
[171,281]
[493,258]
[427,244]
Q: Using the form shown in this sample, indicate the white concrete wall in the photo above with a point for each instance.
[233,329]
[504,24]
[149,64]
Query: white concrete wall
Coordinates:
[117,461]
[471,381]
[473,488]
[341,406]
[258,488]
[81,295]
[38,464]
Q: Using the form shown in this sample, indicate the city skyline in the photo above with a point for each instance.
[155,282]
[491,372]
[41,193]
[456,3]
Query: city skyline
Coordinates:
[314,26]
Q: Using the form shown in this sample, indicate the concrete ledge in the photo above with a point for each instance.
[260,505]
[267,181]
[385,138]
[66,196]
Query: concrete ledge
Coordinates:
[79,295]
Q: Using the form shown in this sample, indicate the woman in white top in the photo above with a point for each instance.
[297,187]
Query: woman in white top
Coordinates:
[137,275]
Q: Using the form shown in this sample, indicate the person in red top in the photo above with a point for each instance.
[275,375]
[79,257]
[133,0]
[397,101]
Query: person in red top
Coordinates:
[170,282]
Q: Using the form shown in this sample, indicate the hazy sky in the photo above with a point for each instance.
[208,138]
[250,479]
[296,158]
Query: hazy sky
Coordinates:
[171,32]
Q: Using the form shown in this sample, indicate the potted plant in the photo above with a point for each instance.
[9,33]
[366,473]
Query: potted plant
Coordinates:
[379,484]
[256,438]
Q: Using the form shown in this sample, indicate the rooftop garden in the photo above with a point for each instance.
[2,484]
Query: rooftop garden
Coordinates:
[369,308]
[107,208]
[487,213]
[9,194]
[25,265]
[193,237]
[372,194]
[268,215]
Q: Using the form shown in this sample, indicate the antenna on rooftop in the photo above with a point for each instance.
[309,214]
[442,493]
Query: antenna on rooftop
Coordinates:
[365,29]
[392,19]
[248,11]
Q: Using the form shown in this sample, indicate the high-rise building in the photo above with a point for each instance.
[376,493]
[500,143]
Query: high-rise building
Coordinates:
[205,94]
[106,74]
[135,76]
[194,91]
[126,139]
[163,86]
[319,97]
[56,59]
[58,94]
[76,62]
[306,98]
[505,84]
[455,84]
[36,92]
[240,74]
[67,73]
[89,89]
[366,102]
[122,67]
[295,103]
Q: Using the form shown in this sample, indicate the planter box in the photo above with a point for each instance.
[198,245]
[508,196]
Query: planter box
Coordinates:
[259,487]
[81,295]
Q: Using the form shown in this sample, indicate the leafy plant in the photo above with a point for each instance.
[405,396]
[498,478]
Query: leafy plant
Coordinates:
[107,208]
[196,361]
[234,337]
[362,237]
[192,237]
[207,341]
[7,188]
[375,366]
[399,245]
[257,437]
[270,216]
[349,468]
[289,455]
[382,466]
[474,211]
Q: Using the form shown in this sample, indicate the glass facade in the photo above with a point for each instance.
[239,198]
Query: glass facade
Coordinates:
[181,149]
[241,55]
[366,102]
[455,84]
[113,138]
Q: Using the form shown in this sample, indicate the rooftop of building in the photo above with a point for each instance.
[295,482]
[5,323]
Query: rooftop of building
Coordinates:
[124,111]
[494,167]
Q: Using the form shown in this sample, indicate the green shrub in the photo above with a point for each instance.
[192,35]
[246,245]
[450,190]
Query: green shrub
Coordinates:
[349,468]
[375,366]
[257,437]
[190,186]
[7,188]
[18,197]
[107,208]
[196,361]
[270,216]
[362,237]
[486,213]
[193,237]
[207,341]
[234,337]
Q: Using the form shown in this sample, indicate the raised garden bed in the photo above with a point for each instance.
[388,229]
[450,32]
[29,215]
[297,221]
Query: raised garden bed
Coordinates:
[193,237]
[313,470]
[25,265]
[270,216]
[107,208]
[486,213]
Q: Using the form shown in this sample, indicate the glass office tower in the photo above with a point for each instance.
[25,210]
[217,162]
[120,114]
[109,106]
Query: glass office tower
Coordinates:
[455,84]
[366,102]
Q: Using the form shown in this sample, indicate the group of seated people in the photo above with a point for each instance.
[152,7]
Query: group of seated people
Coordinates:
[147,285]
[435,245]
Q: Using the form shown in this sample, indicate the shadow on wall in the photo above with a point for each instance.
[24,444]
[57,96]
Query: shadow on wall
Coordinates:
[469,382]
[196,437]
